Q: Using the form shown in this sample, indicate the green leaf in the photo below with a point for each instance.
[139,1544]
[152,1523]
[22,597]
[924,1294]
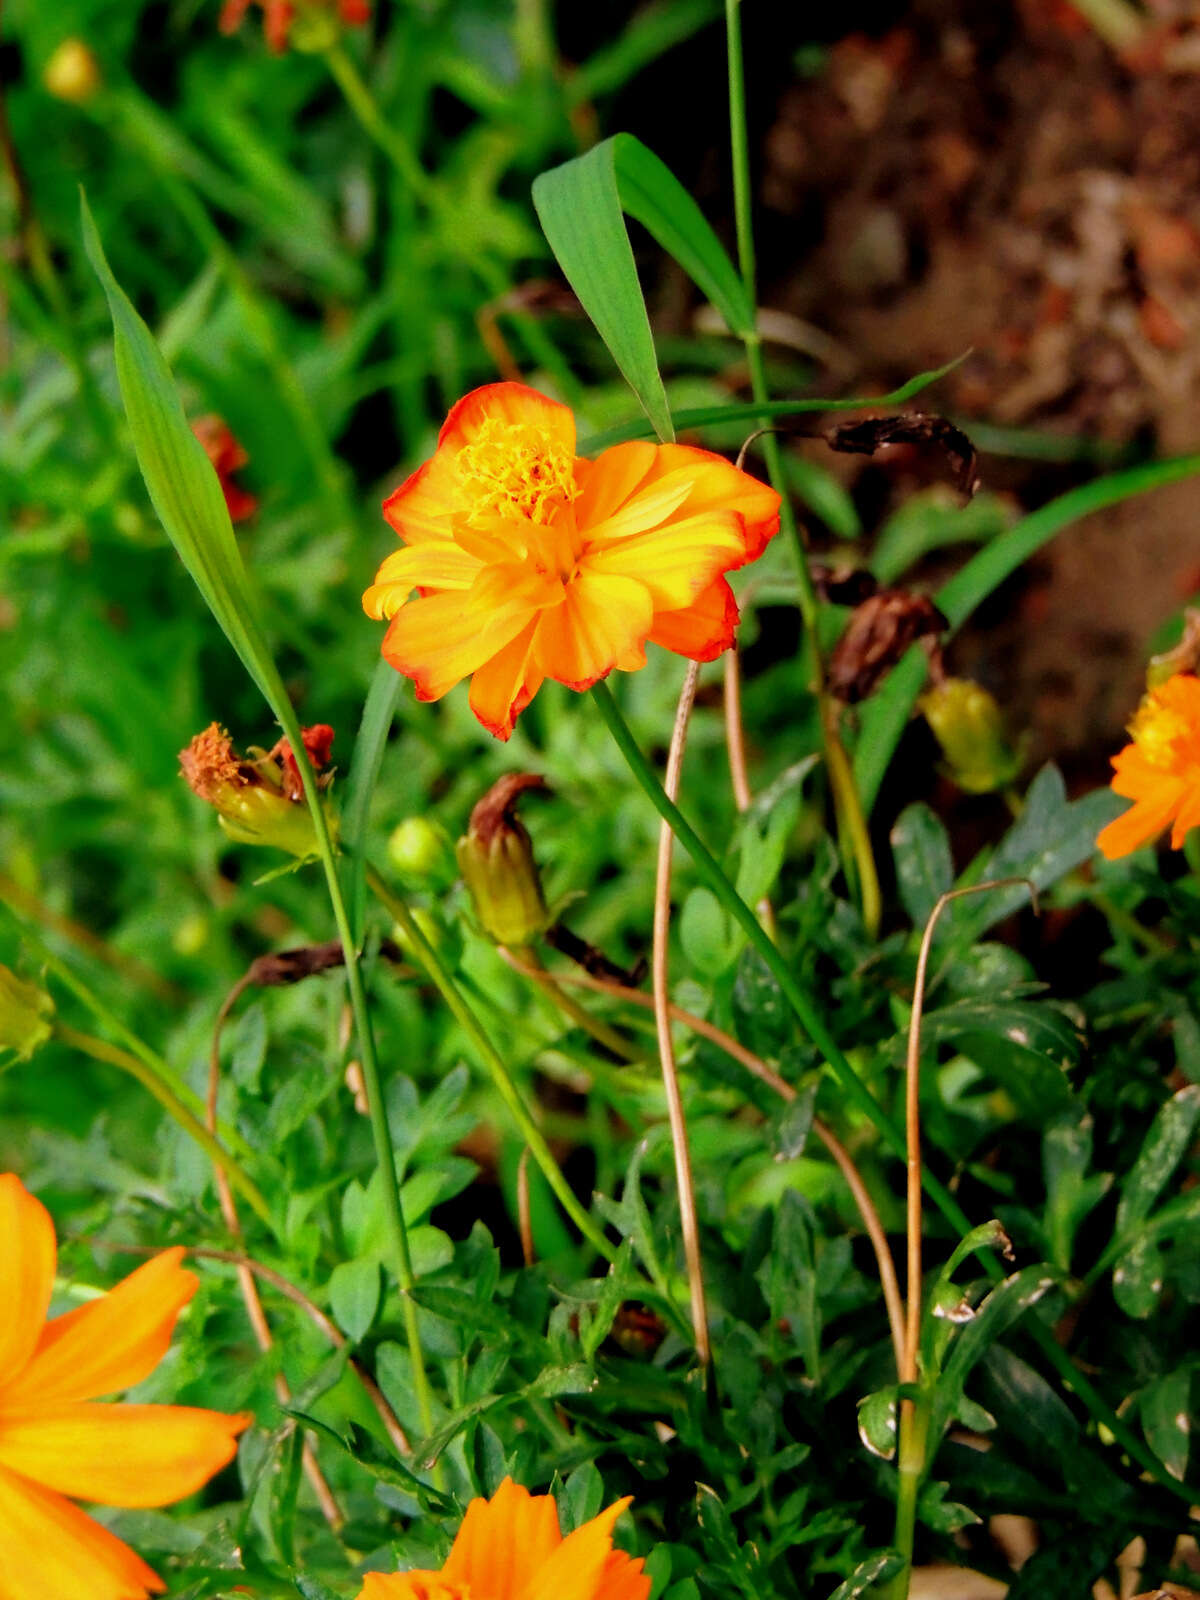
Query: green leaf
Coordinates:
[1025,1045]
[930,520]
[1162,1150]
[1070,1193]
[614,1291]
[581,1497]
[1166,1421]
[354,1291]
[874,1570]
[924,865]
[1139,1277]
[791,1128]
[709,939]
[878,1421]
[369,747]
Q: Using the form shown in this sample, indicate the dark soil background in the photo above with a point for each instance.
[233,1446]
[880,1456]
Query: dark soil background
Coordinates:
[941,177]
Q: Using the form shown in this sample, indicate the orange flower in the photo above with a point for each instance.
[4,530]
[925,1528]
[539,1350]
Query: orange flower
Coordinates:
[510,1548]
[56,1442]
[279,15]
[227,457]
[531,562]
[1160,770]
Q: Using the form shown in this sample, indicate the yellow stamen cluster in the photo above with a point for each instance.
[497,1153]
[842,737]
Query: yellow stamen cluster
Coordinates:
[1158,731]
[514,470]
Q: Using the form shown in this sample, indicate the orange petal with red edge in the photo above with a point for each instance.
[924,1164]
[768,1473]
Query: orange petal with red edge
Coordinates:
[577,1569]
[119,1455]
[28,1257]
[435,565]
[439,639]
[502,687]
[510,403]
[675,562]
[702,630]
[717,485]
[108,1344]
[50,1550]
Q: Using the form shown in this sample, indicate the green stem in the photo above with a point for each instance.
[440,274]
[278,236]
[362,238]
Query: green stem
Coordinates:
[444,983]
[847,802]
[362,103]
[914,1420]
[857,1092]
[112,1055]
[528,965]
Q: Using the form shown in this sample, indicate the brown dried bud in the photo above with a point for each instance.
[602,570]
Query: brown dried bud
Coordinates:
[877,635]
[496,860]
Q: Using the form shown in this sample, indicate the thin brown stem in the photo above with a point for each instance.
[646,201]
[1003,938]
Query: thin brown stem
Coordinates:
[524,1210]
[257,1317]
[525,961]
[735,743]
[662,1022]
[859,1192]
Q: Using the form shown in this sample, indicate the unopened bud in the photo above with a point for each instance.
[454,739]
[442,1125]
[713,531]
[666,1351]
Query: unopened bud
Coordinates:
[24,1013]
[258,801]
[72,73]
[496,860]
[969,726]
[421,852]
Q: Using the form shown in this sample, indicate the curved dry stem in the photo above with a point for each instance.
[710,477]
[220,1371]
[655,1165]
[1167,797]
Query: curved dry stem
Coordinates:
[524,1210]
[662,1022]
[735,744]
[526,962]
[330,1510]
[760,1069]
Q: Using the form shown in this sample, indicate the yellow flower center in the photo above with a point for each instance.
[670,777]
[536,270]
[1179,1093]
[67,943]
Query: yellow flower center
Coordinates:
[1159,731]
[514,470]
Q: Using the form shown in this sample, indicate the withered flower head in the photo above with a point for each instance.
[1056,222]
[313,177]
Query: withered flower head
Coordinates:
[879,632]
[258,800]
[496,860]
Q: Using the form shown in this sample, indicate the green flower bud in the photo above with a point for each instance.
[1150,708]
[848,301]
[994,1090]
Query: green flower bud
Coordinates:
[259,801]
[71,73]
[969,726]
[495,858]
[421,853]
[24,1010]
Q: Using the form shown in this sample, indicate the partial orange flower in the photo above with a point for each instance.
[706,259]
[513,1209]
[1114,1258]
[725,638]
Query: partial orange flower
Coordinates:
[55,1442]
[1159,770]
[530,562]
[280,15]
[227,457]
[510,1548]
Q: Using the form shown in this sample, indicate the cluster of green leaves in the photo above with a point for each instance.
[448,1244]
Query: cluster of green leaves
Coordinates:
[303,290]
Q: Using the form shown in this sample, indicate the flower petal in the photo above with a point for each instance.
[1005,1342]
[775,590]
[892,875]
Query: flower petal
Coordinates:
[120,1455]
[504,1544]
[111,1343]
[507,402]
[602,621]
[702,630]
[440,639]
[675,562]
[433,565]
[502,687]
[28,1255]
[411,1585]
[50,1550]
[717,485]
[577,1570]
[610,480]
[1135,827]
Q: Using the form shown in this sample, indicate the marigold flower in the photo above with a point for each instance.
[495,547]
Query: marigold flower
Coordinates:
[57,1445]
[1159,770]
[280,16]
[510,1548]
[227,457]
[259,800]
[530,562]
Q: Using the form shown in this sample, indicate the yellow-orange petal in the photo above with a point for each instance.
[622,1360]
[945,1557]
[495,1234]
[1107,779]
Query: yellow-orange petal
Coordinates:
[410,1586]
[504,1544]
[611,479]
[502,687]
[577,1569]
[50,1550]
[1187,818]
[439,639]
[510,403]
[677,561]
[28,1256]
[118,1455]
[1143,822]
[717,485]
[623,1578]
[108,1344]
[602,619]
[702,630]
[435,565]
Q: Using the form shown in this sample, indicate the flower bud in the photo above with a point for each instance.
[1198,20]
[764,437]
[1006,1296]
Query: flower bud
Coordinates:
[496,861]
[969,726]
[421,853]
[71,73]
[24,1010]
[258,801]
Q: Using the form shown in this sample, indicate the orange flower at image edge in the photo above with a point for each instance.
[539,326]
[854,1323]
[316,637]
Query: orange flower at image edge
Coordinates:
[530,562]
[1159,770]
[510,1548]
[56,1442]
